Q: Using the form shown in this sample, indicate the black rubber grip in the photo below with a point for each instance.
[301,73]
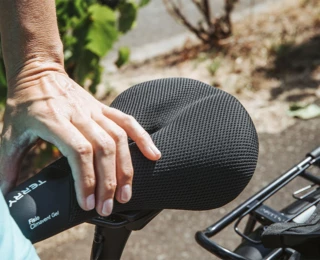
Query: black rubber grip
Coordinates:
[209,153]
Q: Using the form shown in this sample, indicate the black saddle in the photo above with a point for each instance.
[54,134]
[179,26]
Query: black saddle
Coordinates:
[209,151]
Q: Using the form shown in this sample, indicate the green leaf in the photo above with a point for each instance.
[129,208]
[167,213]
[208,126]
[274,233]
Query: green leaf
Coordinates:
[88,71]
[95,79]
[128,15]
[102,31]
[304,112]
[123,56]
[143,3]
[3,82]
[214,66]
[86,65]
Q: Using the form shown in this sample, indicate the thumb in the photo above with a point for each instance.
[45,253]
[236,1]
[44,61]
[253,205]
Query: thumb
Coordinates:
[9,169]
[12,152]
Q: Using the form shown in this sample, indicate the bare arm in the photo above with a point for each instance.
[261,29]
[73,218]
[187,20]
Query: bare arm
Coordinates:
[43,102]
[29,33]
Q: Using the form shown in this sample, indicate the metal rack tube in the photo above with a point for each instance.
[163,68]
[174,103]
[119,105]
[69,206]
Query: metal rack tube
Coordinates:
[265,193]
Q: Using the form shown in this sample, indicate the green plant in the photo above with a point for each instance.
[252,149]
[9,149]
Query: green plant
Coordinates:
[3,82]
[214,66]
[89,29]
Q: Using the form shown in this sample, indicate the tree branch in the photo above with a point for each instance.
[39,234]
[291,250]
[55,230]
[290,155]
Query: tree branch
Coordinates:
[175,12]
[199,6]
[207,12]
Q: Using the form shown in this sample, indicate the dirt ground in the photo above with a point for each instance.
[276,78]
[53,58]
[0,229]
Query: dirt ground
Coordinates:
[272,61]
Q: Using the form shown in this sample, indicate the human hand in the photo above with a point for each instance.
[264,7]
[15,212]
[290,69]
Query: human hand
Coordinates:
[43,102]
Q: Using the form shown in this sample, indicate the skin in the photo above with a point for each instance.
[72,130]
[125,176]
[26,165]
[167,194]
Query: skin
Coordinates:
[43,102]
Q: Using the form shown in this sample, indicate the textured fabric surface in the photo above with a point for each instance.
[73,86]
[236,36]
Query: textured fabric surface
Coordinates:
[208,143]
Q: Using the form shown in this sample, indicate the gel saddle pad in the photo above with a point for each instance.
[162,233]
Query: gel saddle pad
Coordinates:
[209,152]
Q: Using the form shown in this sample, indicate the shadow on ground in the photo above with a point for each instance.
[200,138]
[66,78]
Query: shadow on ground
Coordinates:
[295,67]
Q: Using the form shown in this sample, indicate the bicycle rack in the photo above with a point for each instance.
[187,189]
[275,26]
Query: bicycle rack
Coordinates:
[258,212]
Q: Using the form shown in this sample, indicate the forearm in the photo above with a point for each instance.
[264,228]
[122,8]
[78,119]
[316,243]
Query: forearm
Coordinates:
[29,34]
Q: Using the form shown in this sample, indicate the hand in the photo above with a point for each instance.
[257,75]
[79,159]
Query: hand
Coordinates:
[43,102]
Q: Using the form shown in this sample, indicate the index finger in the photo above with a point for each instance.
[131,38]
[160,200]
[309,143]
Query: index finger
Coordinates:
[134,130]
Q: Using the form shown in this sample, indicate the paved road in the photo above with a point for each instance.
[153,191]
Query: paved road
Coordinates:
[158,33]
[155,24]
[171,235]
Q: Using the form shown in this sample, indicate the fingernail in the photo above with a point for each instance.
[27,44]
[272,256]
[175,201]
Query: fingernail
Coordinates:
[91,202]
[155,150]
[107,207]
[126,193]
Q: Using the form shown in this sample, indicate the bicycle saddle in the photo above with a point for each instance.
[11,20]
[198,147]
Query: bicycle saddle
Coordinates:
[209,152]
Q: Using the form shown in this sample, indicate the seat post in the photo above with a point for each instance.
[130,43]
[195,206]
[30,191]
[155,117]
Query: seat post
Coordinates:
[111,236]
[108,243]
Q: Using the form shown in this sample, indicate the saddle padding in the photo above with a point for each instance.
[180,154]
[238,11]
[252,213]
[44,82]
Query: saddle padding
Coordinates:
[208,143]
[209,152]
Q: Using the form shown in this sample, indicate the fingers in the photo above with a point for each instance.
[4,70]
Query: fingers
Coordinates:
[98,153]
[124,169]
[79,152]
[134,130]
[104,160]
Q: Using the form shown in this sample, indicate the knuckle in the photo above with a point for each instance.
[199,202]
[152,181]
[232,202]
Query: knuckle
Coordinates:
[129,120]
[120,136]
[143,136]
[127,173]
[106,147]
[110,186]
[88,182]
[84,149]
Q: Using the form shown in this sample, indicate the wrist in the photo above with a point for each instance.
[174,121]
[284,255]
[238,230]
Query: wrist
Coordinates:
[40,59]
[31,71]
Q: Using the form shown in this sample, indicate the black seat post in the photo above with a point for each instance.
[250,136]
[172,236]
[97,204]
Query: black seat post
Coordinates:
[111,237]
[108,243]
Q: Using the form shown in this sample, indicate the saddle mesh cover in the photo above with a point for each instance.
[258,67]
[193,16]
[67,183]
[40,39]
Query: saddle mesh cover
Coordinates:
[209,152]
[208,143]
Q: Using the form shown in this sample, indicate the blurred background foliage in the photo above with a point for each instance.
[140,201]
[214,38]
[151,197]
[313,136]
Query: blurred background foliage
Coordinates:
[89,29]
